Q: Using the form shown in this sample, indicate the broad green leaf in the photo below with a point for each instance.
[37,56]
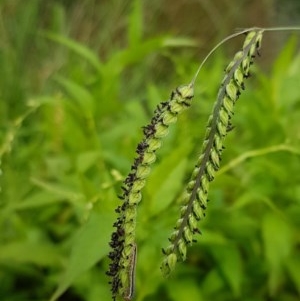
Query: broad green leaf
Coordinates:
[78,48]
[164,194]
[184,289]
[58,190]
[293,267]
[83,97]
[166,180]
[229,261]
[212,238]
[277,245]
[212,283]
[38,199]
[22,252]
[250,198]
[135,26]
[284,59]
[119,60]
[89,246]
[86,160]
[148,275]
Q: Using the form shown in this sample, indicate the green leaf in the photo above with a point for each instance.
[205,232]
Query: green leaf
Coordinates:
[86,160]
[38,199]
[212,283]
[212,238]
[230,264]
[180,42]
[89,246]
[59,190]
[166,180]
[78,48]
[293,267]
[184,289]
[83,97]
[120,59]
[277,242]
[135,26]
[285,58]
[42,254]
[148,275]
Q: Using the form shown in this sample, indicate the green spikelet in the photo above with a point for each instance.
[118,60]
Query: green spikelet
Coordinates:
[195,197]
[123,239]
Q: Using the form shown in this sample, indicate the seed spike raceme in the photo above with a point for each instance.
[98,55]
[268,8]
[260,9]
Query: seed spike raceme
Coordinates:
[123,238]
[194,201]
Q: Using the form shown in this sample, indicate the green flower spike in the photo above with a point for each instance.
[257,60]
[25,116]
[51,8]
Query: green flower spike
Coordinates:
[194,200]
[123,239]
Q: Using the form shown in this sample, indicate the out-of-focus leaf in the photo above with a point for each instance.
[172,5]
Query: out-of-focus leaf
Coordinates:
[180,42]
[285,58]
[83,97]
[164,194]
[135,26]
[119,60]
[251,198]
[163,186]
[212,283]
[42,254]
[87,160]
[184,289]
[38,199]
[211,238]
[58,189]
[89,246]
[277,245]
[229,262]
[78,48]
[148,275]
[293,267]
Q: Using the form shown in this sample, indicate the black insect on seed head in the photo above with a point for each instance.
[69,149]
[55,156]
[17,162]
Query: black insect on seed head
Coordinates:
[118,223]
[160,107]
[173,93]
[125,189]
[148,131]
[187,104]
[113,244]
[114,236]
[120,232]
[178,92]
[142,146]
[196,230]
[130,178]
[230,127]
[197,217]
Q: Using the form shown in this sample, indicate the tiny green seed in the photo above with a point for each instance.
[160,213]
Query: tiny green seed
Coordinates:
[169,118]
[161,130]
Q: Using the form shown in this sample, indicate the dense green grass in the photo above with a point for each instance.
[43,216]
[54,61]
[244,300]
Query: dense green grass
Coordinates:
[69,125]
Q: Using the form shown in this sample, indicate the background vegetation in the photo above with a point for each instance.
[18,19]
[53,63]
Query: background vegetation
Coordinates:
[77,81]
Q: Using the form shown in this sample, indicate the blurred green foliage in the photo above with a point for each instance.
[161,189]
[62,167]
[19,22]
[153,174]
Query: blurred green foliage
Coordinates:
[70,122]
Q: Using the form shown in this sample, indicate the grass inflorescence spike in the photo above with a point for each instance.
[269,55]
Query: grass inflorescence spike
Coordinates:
[194,200]
[123,238]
